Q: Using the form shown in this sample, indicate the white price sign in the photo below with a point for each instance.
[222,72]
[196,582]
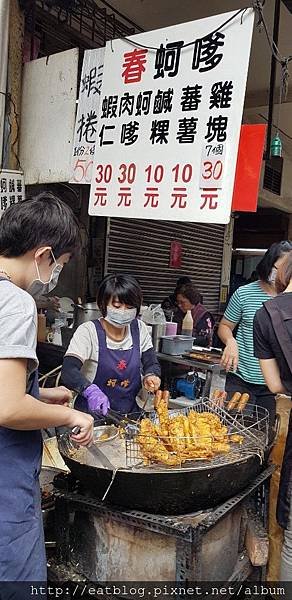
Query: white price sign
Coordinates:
[213,166]
[87,116]
[169,121]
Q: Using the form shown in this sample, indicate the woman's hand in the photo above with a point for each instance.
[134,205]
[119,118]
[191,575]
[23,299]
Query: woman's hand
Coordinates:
[97,401]
[151,383]
[230,355]
[54,303]
[57,395]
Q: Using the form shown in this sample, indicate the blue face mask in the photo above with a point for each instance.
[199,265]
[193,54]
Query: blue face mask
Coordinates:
[120,317]
[38,287]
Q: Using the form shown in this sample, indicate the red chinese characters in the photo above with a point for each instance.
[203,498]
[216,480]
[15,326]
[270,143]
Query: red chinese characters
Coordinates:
[122,365]
[134,65]
[125,197]
[151,197]
[179,196]
[103,175]
[210,199]
[101,196]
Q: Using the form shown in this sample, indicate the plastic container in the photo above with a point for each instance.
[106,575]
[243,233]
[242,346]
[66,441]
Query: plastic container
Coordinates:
[177,344]
[57,335]
[171,328]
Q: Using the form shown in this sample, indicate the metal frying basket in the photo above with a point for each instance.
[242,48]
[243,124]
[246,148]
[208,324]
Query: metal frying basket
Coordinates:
[251,424]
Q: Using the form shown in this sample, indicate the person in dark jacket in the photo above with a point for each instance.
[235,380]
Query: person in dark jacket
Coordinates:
[188,298]
[273,347]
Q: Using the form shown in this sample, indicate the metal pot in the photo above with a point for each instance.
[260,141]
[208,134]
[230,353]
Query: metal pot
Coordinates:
[158,331]
[165,491]
[85,312]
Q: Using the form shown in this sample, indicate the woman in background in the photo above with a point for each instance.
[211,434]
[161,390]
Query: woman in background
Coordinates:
[188,298]
[243,369]
[169,305]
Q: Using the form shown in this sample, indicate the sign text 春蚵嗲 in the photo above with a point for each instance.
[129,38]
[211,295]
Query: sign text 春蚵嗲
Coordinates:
[169,121]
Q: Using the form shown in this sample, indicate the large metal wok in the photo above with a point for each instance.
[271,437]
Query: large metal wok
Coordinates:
[196,485]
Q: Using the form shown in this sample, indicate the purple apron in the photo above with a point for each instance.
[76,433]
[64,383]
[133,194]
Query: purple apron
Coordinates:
[22,547]
[118,373]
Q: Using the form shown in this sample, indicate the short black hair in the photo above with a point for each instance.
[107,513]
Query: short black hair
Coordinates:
[189,292]
[124,287]
[41,220]
[275,252]
[183,281]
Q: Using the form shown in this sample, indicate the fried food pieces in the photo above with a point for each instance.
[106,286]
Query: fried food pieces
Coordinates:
[238,402]
[174,439]
[219,397]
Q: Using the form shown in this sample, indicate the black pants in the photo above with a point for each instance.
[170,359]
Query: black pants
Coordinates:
[259,394]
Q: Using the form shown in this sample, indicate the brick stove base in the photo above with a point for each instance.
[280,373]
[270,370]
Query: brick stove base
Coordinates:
[104,543]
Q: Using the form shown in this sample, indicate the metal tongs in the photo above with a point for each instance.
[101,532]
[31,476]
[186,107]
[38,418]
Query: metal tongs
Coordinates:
[65,438]
[128,426]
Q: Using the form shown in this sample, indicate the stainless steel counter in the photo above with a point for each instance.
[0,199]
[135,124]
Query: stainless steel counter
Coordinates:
[215,375]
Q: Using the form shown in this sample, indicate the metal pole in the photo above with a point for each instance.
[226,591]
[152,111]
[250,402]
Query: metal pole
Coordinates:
[273,78]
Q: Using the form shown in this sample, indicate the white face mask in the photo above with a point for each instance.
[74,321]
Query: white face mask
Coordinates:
[273,276]
[120,317]
[38,287]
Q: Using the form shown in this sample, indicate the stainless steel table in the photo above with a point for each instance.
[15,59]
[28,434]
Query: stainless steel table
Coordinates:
[210,369]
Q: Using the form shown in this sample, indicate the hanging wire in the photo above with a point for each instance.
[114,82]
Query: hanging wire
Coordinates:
[280,102]
[258,5]
[283,90]
[222,26]
[280,59]
[264,117]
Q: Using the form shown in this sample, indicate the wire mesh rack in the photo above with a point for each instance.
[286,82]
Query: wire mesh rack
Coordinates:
[238,436]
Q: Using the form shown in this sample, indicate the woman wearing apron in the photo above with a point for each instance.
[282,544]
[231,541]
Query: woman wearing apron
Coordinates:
[109,359]
[37,238]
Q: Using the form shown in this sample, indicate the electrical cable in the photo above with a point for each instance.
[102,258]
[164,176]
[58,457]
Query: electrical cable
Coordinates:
[258,6]
[279,129]
[282,60]
[134,43]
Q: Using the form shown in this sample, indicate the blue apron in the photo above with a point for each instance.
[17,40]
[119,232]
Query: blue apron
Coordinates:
[22,548]
[118,373]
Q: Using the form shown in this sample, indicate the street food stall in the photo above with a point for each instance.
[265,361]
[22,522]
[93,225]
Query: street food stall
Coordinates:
[129,498]
[179,493]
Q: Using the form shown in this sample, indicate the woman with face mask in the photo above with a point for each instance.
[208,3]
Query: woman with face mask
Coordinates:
[108,359]
[37,238]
